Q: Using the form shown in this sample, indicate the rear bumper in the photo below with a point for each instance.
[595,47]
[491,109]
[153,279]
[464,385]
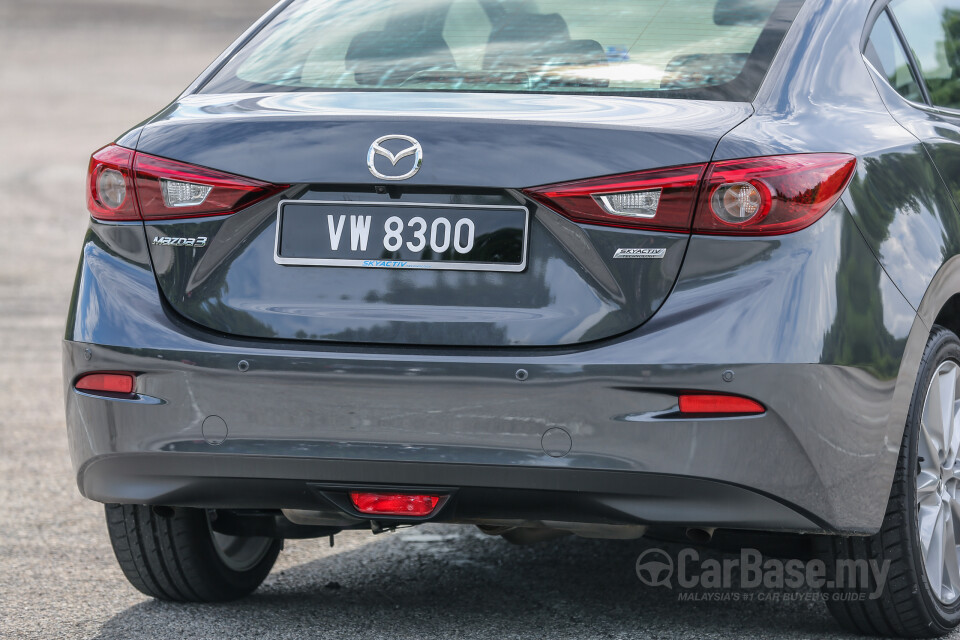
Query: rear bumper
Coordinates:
[821,458]
[478,492]
[296,418]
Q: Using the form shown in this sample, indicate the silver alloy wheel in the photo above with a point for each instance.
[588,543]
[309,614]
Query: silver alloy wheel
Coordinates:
[239,553]
[938,477]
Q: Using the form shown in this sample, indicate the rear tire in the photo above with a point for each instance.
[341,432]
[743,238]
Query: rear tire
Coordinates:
[908,605]
[178,557]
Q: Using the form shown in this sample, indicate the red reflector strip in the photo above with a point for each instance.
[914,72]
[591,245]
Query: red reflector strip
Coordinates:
[106,382]
[394,504]
[713,404]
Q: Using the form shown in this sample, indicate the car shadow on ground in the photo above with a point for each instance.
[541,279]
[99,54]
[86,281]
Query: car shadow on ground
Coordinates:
[446,581]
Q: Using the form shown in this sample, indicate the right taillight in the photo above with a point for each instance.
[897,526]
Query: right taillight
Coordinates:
[771,195]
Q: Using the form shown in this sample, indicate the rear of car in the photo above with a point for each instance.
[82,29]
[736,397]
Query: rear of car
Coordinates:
[475,261]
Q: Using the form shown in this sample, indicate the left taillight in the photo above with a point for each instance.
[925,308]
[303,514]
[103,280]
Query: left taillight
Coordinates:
[125,185]
[110,190]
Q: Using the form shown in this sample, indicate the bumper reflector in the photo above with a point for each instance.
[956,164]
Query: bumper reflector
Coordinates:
[106,382]
[719,405]
[394,504]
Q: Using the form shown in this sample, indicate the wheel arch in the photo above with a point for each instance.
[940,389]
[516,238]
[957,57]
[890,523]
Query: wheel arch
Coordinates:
[941,300]
[940,305]
[949,315]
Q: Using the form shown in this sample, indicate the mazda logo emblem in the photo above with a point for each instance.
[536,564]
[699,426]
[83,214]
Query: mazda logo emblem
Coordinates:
[413,148]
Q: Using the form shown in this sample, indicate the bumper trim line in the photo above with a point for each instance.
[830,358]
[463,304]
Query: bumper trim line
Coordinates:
[483,491]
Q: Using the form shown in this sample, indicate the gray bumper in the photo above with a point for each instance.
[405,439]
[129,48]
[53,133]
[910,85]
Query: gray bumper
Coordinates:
[468,421]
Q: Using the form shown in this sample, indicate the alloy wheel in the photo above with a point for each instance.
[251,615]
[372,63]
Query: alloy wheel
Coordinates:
[938,479]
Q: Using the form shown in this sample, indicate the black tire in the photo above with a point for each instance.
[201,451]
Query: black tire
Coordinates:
[173,556]
[907,606]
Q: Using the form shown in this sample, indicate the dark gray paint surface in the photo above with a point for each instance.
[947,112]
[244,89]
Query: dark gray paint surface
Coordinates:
[572,291]
[470,140]
[233,285]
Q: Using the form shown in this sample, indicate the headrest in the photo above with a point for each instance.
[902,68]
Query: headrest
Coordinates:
[530,28]
[378,57]
[728,13]
[702,70]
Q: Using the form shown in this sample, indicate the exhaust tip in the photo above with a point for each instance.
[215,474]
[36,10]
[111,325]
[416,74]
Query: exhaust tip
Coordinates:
[700,535]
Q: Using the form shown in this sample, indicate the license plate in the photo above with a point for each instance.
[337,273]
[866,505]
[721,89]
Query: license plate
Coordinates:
[390,235]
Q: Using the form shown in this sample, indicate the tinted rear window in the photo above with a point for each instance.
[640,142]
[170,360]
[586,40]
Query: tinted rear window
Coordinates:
[712,49]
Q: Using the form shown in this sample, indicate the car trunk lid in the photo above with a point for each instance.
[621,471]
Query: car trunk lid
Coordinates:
[479,151]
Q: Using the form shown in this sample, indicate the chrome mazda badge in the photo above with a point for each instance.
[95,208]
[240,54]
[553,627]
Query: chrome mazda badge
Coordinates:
[413,148]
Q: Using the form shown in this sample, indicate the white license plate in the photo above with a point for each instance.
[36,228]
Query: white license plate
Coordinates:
[389,235]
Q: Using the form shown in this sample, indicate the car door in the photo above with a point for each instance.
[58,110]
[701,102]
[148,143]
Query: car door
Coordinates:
[917,85]
[931,31]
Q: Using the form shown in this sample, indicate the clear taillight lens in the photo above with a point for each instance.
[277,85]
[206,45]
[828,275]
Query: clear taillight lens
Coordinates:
[755,196]
[111,188]
[183,194]
[739,202]
[632,204]
[125,185]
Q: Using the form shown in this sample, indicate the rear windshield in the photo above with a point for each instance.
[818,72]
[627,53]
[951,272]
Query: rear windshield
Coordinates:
[711,49]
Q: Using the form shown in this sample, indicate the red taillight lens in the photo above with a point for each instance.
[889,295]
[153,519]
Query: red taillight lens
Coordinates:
[106,382]
[110,191]
[169,189]
[660,200]
[125,185]
[756,196]
[719,405]
[771,196]
[394,504]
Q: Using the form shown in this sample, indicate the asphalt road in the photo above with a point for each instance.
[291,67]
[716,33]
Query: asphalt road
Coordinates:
[73,75]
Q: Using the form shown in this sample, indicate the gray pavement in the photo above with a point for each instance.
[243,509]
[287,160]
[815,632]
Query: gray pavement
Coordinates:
[73,75]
